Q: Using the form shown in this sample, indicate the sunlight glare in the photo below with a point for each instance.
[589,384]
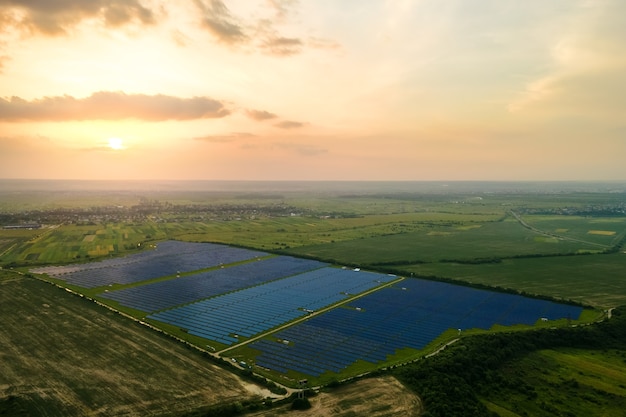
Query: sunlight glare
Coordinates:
[116,144]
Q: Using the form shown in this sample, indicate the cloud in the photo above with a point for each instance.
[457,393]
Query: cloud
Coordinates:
[262,34]
[100,148]
[321,43]
[281,7]
[57,17]
[302,149]
[105,105]
[3,61]
[180,38]
[289,124]
[534,91]
[260,114]
[281,46]
[252,142]
[269,39]
[587,65]
[225,138]
[220,23]
[597,94]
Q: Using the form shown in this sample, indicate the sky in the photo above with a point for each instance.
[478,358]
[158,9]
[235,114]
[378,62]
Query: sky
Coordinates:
[415,90]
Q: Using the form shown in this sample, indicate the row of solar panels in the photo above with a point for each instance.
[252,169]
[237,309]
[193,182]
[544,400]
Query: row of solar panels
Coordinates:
[394,318]
[266,306]
[167,294]
[168,258]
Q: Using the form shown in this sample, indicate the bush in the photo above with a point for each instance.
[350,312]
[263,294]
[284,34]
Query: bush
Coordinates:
[300,404]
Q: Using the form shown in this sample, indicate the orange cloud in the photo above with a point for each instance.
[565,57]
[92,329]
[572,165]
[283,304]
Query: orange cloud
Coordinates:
[220,23]
[225,138]
[106,105]
[260,34]
[289,124]
[260,114]
[281,46]
[3,60]
[57,17]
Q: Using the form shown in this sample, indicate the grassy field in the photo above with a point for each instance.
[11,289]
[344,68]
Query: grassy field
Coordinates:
[597,280]
[13,241]
[70,243]
[464,241]
[75,243]
[297,231]
[564,382]
[62,355]
[599,230]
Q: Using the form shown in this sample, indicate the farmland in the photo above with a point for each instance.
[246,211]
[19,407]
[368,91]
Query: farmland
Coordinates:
[592,279]
[65,356]
[549,240]
[464,242]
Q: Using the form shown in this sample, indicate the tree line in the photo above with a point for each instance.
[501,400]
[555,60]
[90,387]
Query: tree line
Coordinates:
[451,382]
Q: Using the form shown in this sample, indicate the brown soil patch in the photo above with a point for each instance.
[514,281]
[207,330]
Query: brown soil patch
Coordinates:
[601,232]
[372,397]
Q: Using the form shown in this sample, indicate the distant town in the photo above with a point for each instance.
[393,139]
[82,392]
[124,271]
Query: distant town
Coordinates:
[158,211]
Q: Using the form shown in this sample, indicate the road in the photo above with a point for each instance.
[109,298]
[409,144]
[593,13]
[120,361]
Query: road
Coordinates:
[315,313]
[549,234]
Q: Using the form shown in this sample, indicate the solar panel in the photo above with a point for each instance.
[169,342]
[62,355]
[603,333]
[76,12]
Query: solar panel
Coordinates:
[167,258]
[274,303]
[394,318]
[167,294]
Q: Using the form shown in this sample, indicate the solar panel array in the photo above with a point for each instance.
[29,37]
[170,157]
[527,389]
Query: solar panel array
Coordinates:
[168,258]
[257,296]
[257,309]
[167,294]
[409,314]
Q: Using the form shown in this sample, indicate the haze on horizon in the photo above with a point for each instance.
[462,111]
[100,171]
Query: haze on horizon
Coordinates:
[313,90]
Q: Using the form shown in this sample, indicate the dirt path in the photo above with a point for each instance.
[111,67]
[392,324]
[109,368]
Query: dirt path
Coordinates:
[372,397]
[550,234]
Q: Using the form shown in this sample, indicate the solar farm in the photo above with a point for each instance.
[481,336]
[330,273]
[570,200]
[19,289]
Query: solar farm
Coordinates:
[168,258]
[295,317]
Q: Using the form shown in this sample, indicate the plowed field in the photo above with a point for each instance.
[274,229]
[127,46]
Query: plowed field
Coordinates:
[62,355]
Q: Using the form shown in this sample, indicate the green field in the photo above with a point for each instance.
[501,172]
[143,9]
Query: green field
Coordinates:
[464,241]
[596,280]
[75,243]
[598,230]
[297,231]
[567,382]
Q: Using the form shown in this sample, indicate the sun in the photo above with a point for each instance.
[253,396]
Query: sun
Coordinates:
[116,144]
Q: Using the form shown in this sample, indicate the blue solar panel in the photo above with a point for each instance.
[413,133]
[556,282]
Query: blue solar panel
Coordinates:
[168,258]
[410,314]
[253,310]
[167,294]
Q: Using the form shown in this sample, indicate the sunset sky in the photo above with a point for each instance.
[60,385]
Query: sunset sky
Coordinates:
[313,89]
